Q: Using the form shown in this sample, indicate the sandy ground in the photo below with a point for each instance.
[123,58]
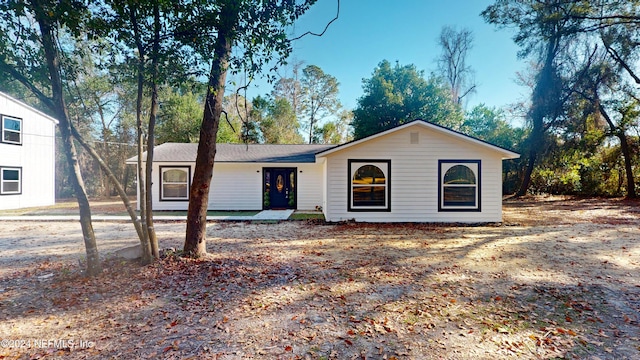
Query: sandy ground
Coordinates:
[559,278]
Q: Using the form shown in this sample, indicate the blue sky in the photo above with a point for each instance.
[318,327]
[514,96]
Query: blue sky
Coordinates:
[369,31]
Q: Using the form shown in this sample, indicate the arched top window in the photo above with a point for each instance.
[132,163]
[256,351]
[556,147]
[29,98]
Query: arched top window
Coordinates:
[369,175]
[175,176]
[459,185]
[369,185]
[174,183]
[459,174]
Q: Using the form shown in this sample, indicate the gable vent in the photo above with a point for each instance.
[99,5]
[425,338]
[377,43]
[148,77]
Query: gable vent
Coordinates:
[414,138]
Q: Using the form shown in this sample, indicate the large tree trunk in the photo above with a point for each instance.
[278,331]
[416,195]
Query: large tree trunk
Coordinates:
[142,198]
[153,239]
[526,180]
[142,189]
[543,104]
[195,241]
[50,46]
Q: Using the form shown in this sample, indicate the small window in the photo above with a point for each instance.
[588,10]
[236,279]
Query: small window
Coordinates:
[459,185]
[11,130]
[369,185]
[10,181]
[174,183]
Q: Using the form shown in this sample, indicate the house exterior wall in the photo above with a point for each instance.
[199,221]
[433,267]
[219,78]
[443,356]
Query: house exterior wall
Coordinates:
[35,156]
[238,186]
[413,178]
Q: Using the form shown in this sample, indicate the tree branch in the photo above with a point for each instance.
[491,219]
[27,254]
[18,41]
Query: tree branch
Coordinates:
[622,63]
[323,31]
[28,84]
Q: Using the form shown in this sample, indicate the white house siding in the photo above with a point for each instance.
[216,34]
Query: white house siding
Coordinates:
[36,156]
[310,186]
[414,177]
[238,186]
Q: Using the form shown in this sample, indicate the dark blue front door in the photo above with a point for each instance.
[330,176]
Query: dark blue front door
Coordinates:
[279,186]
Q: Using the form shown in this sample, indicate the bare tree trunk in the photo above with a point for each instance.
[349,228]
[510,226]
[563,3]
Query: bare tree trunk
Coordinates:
[628,167]
[195,241]
[49,44]
[142,201]
[543,104]
[151,232]
[106,177]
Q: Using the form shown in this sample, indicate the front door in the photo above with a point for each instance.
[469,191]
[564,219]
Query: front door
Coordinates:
[279,188]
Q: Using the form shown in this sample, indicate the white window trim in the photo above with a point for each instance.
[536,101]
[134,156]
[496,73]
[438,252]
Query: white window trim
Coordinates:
[3,182]
[164,169]
[444,166]
[4,117]
[385,167]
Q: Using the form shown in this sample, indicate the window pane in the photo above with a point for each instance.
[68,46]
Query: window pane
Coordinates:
[174,191]
[369,174]
[10,124]
[13,186]
[10,175]
[369,196]
[459,196]
[459,174]
[11,136]
[179,176]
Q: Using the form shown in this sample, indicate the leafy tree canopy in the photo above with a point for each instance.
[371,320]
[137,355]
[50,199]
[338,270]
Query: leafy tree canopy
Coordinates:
[179,118]
[489,124]
[278,122]
[398,94]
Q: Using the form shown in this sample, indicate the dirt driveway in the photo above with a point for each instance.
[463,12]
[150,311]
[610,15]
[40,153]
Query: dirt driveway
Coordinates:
[560,278]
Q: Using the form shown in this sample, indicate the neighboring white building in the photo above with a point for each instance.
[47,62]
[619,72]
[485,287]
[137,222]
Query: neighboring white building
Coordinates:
[27,155]
[416,172]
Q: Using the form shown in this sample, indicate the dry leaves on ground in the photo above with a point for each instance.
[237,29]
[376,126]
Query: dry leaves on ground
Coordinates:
[559,279]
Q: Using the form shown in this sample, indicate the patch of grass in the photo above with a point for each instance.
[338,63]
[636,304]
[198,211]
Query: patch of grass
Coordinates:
[411,319]
[209,213]
[306,216]
[38,209]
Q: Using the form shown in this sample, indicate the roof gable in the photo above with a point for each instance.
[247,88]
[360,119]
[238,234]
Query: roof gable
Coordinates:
[29,107]
[505,153]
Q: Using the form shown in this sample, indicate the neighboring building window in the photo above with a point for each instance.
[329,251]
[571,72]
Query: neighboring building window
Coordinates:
[11,130]
[10,181]
[174,183]
[369,185]
[459,183]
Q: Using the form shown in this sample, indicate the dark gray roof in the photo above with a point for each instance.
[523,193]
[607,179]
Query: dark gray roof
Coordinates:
[186,152]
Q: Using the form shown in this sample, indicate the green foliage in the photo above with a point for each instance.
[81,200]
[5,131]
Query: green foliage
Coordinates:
[336,131]
[572,172]
[292,198]
[234,126]
[398,94]
[266,199]
[179,117]
[276,121]
[490,125]
[259,36]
